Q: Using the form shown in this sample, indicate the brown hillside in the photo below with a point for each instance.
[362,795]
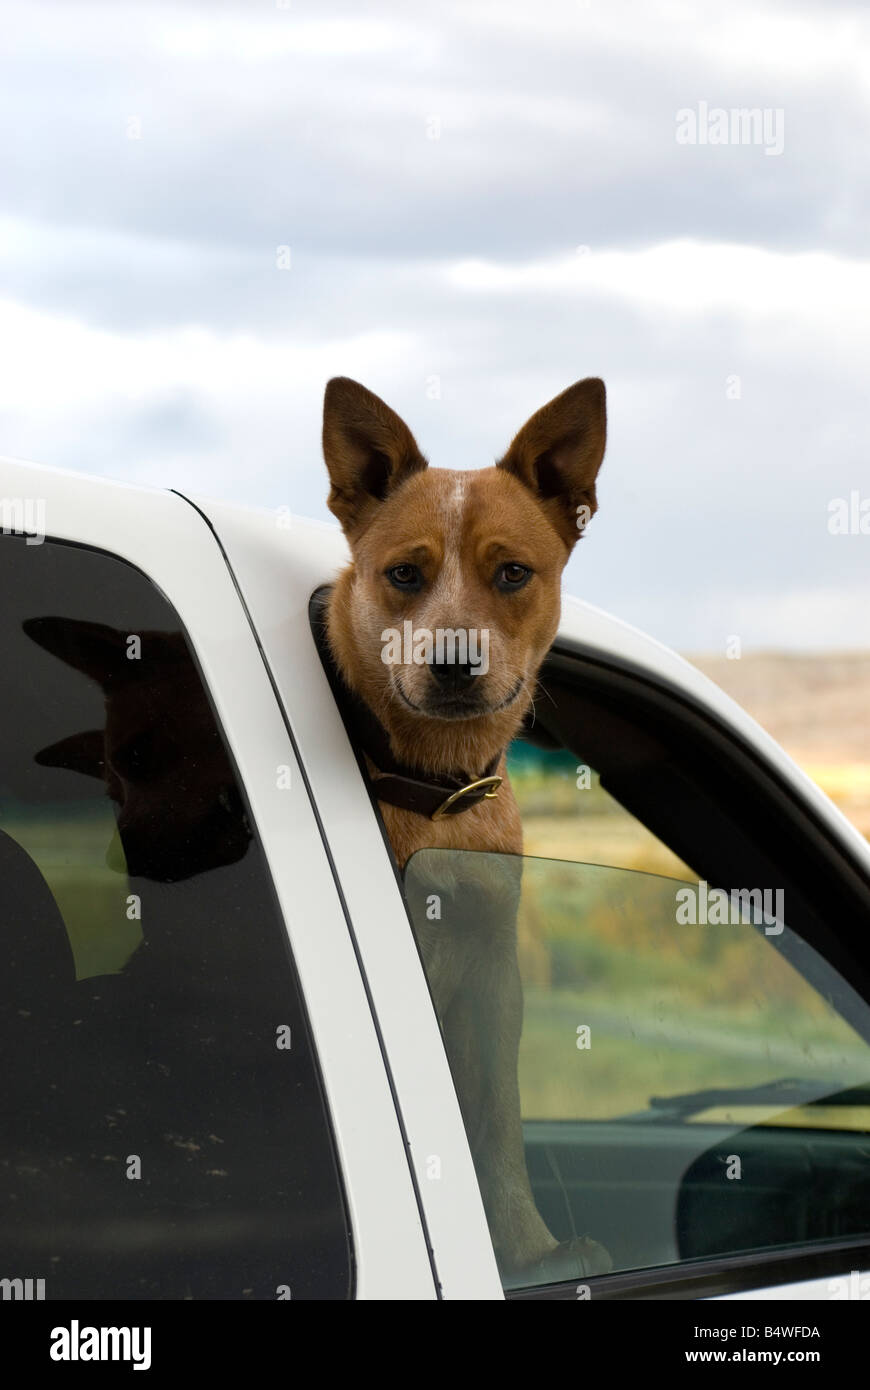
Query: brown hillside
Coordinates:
[817,707]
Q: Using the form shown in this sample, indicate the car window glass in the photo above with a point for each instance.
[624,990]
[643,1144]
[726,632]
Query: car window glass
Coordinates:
[164,1132]
[687,1086]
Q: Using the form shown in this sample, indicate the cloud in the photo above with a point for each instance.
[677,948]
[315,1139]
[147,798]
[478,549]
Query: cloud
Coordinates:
[433,170]
[311,125]
[691,277]
[188,408]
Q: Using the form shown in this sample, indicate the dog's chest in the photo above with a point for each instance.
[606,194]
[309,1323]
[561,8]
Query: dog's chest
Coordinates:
[463,901]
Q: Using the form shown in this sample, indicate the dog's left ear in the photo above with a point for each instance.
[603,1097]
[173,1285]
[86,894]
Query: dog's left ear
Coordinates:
[368,449]
[558,453]
[94,649]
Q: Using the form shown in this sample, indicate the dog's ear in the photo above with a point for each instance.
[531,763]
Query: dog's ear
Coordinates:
[368,449]
[85,753]
[94,649]
[558,453]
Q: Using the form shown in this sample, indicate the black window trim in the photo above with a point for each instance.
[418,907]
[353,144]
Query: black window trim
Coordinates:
[566,651]
[711,1278]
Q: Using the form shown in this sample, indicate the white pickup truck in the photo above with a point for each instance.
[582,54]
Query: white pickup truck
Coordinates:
[223,1076]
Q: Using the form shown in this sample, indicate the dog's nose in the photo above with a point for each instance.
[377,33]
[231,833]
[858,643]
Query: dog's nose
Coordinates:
[453,675]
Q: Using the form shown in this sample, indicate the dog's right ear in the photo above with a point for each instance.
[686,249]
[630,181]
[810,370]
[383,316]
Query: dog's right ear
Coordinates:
[368,450]
[85,753]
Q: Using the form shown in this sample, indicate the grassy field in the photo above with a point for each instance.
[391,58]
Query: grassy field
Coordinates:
[68,846]
[671,1008]
[644,1044]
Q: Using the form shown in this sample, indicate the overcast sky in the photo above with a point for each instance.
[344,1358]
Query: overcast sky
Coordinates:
[483,202]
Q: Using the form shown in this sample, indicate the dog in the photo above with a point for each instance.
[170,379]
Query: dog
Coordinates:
[438,550]
[160,755]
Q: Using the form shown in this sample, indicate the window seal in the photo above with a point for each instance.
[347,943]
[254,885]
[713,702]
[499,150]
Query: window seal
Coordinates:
[714,1278]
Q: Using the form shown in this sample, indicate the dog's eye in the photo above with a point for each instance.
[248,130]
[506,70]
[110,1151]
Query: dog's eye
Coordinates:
[404,576]
[512,576]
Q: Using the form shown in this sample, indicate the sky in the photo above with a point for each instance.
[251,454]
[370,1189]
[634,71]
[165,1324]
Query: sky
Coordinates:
[207,209]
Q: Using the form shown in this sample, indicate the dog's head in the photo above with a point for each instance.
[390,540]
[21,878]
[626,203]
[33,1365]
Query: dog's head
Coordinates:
[160,755]
[476,557]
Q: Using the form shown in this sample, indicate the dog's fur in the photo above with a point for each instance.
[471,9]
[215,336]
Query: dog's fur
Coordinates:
[459,530]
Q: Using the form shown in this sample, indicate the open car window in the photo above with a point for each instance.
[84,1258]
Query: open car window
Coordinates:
[694,1064]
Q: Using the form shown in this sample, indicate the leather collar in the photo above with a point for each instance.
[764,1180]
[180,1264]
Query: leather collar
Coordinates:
[410,788]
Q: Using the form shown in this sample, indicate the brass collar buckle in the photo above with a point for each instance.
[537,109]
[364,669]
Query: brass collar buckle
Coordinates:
[492,782]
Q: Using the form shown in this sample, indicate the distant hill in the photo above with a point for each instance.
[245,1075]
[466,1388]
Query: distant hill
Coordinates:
[817,707]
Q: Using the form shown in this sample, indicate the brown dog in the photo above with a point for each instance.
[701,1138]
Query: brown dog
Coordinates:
[475,553]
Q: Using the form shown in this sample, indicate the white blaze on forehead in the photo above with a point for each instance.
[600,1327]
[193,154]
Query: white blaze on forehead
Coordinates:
[447,595]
